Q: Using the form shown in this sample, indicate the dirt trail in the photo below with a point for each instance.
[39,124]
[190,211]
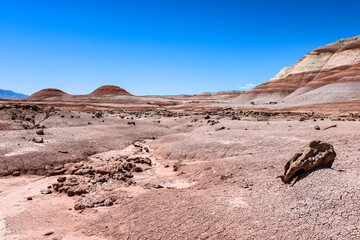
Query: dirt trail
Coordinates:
[13,197]
[13,194]
[15,191]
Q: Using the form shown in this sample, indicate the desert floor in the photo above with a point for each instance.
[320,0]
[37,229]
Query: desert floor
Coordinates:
[212,176]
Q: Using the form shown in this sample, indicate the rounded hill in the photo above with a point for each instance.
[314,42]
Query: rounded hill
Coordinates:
[47,93]
[109,90]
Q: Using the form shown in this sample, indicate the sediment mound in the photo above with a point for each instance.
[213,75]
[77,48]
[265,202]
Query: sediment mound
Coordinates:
[56,94]
[109,90]
[326,74]
[47,93]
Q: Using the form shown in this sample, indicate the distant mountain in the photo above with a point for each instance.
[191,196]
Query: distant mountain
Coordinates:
[8,94]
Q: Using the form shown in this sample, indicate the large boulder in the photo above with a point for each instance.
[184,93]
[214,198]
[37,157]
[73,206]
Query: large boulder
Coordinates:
[313,155]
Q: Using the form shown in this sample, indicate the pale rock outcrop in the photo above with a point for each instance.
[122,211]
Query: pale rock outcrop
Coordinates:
[326,74]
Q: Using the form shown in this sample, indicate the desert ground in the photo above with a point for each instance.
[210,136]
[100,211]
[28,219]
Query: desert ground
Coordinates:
[181,167]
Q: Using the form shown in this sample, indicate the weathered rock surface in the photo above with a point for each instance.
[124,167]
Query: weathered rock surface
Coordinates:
[88,179]
[94,200]
[313,155]
[38,140]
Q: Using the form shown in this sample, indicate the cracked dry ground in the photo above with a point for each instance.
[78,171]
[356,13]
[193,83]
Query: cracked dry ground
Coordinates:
[225,187]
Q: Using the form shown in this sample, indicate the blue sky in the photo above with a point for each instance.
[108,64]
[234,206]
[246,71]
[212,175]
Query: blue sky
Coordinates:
[162,46]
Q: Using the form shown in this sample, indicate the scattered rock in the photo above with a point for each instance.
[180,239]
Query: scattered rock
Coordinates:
[63,151]
[138,169]
[73,179]
[16,173]
[88,171]
[46,191]
[40,132]
[56,172]
[141,160]
[220,128]
[212,122]
[176,166]
[99,114]
[78,172]
[77,191]
[317,127]
[38,140]
[61,179]
[332,126]
[313,155]
[247,185]
[224,177]
[102,170]
[49,233]
[93,200]
[78,165]
[128,175]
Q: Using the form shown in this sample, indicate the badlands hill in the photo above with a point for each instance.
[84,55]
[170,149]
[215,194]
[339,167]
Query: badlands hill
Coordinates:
[109,90]
[56,94]
[48,93]
[326,74]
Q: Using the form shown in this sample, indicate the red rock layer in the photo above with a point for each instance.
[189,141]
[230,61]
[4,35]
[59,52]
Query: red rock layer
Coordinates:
[47,93]
[109,90]
[338,62]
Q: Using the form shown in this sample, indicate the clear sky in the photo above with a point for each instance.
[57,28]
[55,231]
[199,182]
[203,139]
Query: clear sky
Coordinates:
[162,47]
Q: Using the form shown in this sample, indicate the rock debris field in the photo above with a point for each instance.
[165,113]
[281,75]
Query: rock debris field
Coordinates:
[176,171]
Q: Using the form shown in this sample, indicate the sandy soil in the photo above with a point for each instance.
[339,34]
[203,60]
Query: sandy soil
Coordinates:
[224,186]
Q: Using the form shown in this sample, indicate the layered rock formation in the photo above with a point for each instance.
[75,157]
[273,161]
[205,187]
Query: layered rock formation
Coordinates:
[109,90]
[56,94]
[326,74]
[49,93]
